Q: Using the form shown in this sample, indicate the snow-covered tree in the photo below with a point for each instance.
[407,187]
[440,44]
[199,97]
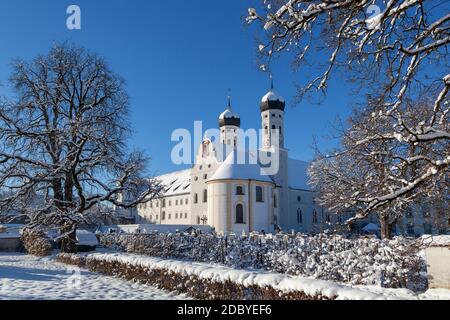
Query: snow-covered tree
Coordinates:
[394,50]
[62,140]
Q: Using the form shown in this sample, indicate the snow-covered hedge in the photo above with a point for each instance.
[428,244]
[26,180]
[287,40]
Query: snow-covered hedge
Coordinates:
[36,242]
[366,261]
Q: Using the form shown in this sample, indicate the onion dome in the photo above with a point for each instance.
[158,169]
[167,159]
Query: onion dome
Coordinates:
[272,100]
[228,117]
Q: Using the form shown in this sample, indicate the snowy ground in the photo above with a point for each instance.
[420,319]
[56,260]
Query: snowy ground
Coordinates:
[26,277]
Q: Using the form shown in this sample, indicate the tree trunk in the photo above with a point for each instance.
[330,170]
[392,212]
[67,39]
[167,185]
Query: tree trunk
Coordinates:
[386,228]
[69,242]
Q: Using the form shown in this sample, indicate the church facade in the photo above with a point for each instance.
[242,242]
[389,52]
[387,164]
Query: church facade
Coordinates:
[230,189]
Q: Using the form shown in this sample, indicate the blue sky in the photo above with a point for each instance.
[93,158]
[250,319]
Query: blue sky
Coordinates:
[179,58]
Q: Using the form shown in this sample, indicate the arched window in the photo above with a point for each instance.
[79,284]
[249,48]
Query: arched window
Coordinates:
[314,216]
[195,198]
[205,195]
[299,216]
[240,213]
[275,204]
[163,216]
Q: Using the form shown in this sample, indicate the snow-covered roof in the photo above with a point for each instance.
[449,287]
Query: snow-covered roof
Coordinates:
[231,168]
[298,174]
[177,182]
[272,96]
[228,113]
[436,241]
[371,227]
[86,238]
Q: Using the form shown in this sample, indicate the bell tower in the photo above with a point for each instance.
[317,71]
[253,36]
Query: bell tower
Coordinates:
[229,123]
[272,117]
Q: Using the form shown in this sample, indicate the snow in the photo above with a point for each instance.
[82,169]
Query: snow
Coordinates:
[178,182]
[161,228]
[26,277]
[228,113]
[436,241]
[371,227]
[298,176]
[232,168]
[9,235]
[86,238]
[272,96]
[282,282]
[10,231]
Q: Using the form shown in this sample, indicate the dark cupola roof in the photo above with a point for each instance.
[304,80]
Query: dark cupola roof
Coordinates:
[272,100]
[228,117]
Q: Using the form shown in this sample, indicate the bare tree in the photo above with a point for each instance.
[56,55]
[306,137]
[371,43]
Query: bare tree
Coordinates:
[350,177]
[393,54]
[63,148]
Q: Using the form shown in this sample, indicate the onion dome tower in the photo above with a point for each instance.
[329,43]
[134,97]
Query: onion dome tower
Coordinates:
[229,123]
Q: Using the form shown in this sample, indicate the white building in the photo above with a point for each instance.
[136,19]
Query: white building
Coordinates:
[242,197]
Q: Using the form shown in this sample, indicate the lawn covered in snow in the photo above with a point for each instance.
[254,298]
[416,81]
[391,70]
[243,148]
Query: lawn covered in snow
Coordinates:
[27,277]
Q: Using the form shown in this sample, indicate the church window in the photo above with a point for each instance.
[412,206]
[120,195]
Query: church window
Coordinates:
[163,215]
[170,203]
[239,190]
[209,166]
[273,114]
[176,215]
[185,215]
[186,201]
[195,198]
[239,214]
[156,217]
[314,216]
[275,203]
[299,216]
[205,176]
[176,202]
[163,205]
[205,195]
[279,116]
[195,178]
[198,220]
[259,194]
[200,168]
[299,199]
[170,216]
